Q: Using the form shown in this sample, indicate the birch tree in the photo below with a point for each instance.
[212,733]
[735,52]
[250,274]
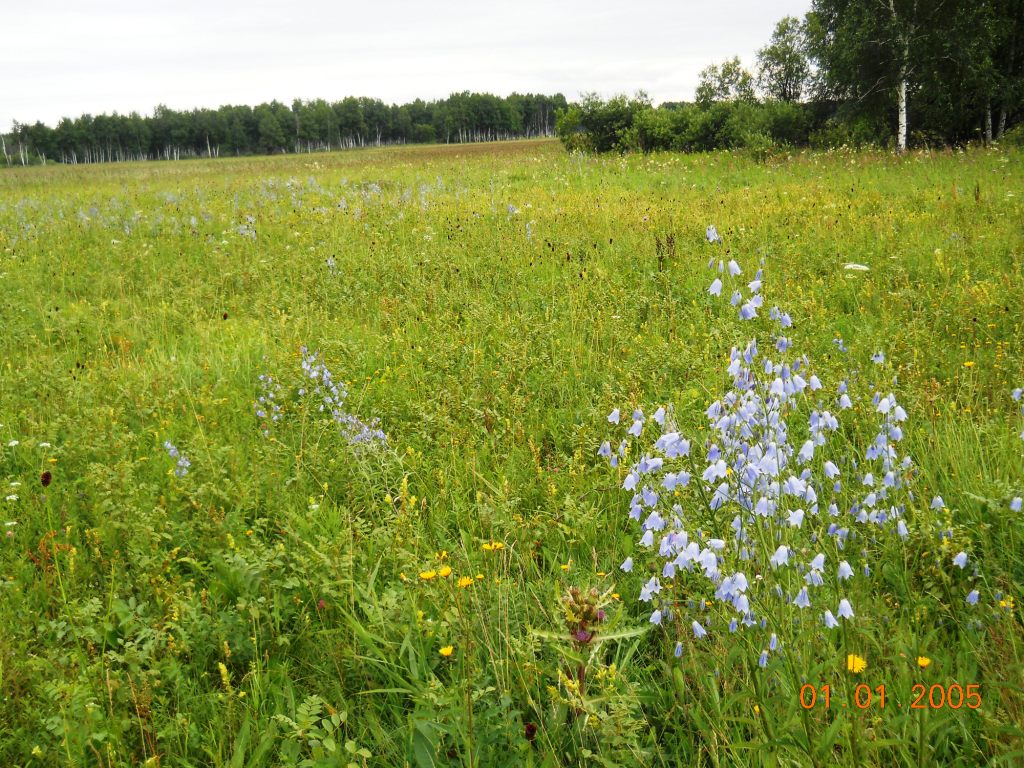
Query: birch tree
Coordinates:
[873,51]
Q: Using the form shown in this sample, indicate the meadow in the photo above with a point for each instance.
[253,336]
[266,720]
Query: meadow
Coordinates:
[305,461]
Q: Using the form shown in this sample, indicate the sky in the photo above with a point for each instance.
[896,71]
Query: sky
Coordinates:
[68,58]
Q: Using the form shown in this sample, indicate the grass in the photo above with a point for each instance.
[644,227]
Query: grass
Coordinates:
[273,606]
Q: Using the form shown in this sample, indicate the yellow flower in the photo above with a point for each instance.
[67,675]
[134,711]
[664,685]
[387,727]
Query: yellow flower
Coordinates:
[856,664]
[447,651]
[465,581]
[491,546]
[969,364]
[428,575]
[923,661]
[566,566]
[479,577]
[442,555]
[445,572]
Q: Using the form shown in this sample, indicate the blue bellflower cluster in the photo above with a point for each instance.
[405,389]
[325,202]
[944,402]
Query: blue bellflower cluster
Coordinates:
[182,464]
[331,401]
[267,405]
[755,527]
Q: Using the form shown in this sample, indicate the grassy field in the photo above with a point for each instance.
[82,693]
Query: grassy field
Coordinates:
[193,576]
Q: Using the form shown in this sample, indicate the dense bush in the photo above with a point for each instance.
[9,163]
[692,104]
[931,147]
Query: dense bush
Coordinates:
[625,125]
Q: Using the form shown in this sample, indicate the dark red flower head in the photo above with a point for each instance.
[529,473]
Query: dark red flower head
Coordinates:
[46,478]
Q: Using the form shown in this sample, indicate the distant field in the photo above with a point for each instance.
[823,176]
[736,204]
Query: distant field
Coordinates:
[192,576]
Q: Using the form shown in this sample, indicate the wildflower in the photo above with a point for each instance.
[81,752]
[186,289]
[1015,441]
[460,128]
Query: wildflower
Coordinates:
[47,477]
[627,564]
[656,617]
[969,364]
[712,234]
[878,358]
[781,556]
[763,660]
[972,597]
[845,609]
[182,465]
[428,575]
[938,503]
[830,621]
[492,546]
[698,630]
[465,581]
[715,288]
[445,572]
[845,571]
[447,651]
[679,650]
[960,560]
[856,664]
[923,661]
[613,417]
[1015,505]
[801,600]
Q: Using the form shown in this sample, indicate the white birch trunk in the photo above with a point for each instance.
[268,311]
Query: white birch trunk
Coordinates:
[901,105]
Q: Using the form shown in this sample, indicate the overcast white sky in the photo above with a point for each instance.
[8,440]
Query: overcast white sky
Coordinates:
[66,58]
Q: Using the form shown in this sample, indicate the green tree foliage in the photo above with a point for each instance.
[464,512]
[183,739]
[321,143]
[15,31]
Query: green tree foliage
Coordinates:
[782,66]
[305,126]
[728,81]
[601,126]
[959,64]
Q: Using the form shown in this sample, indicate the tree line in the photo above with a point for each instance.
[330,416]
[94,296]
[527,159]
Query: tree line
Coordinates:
[305,126]
[883,72]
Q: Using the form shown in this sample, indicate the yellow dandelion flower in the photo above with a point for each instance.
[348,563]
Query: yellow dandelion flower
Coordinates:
[447,651]
[428,575]
[969,364]
[492,546]
[856,664]
[442,555]
[403,577]
[923,661]
[465,581]
[479,577]
[567,566]
[445,572]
